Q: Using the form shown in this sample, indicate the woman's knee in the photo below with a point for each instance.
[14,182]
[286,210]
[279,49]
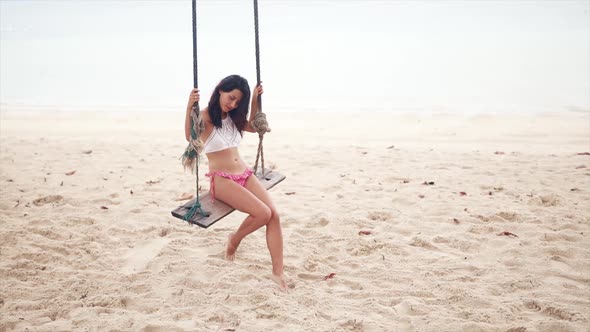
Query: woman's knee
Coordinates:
[274,217]
[264,214]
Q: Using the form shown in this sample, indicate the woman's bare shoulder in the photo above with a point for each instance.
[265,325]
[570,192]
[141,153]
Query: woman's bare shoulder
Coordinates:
[205,114]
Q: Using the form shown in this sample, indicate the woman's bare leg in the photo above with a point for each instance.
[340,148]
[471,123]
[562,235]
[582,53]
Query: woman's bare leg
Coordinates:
[243,200]
[274,233]
[254,200]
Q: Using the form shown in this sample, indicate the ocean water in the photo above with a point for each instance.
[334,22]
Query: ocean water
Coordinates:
[428,56]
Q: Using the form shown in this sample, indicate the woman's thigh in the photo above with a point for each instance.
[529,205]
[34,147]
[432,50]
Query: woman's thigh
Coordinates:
[258,190]
[238,197]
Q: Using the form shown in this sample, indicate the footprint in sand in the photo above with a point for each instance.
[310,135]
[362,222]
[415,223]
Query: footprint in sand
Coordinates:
[320,223]
[139,257]
[323,222]
[76,221]
[509,216]
[311,264]
[533,306]
[558,236]
[554,252]
[306,276]
[545,200]
[228,323]
[517,329]
[482,229]
[48,233]
[365,248]
[353,285]
[418,242]
[48,199]
[352,325]
[249,277]
[105,201]
[379,215]
[554,312]
[409,307]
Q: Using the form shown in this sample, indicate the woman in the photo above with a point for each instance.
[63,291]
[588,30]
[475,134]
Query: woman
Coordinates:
[232,180]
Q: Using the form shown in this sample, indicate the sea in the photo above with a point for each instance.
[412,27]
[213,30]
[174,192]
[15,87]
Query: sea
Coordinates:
[315,55]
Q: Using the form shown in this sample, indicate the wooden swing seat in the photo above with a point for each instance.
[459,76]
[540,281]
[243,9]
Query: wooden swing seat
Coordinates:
[218,209]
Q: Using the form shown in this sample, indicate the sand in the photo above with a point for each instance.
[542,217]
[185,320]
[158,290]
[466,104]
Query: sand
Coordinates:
[498,239]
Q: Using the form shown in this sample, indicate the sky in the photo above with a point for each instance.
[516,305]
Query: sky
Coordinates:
[455,56]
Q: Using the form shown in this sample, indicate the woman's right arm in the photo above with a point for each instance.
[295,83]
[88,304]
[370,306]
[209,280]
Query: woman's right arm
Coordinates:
[192,99]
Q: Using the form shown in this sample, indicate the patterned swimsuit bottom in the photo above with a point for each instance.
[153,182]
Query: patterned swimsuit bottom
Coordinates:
[237,178]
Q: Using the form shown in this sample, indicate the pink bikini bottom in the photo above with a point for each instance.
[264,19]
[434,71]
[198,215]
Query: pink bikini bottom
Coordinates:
[237,178]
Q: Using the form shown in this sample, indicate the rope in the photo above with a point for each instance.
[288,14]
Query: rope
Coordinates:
[259,123]
[195,71]
[190,158]
[261,126]
[257,46]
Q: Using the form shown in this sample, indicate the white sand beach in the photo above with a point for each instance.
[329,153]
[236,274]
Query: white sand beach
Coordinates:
[498,241]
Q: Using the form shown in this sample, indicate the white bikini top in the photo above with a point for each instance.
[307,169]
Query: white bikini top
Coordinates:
[228,136]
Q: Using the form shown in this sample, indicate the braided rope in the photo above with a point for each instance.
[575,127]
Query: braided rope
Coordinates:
[259,123]
[261,126]
[257,45]
[190,158]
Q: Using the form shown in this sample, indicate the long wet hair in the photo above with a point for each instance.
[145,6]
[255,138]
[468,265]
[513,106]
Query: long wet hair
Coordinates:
[239,114]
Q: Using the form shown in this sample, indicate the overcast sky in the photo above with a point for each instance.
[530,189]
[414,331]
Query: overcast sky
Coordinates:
[446,55]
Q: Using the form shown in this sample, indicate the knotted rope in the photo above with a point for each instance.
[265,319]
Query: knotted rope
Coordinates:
[261,126]
[190,157]
[259,123]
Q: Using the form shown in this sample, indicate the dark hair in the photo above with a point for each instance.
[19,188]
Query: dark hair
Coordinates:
[238,115]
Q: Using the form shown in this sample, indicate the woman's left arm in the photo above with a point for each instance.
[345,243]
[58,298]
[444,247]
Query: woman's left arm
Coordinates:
[258,90]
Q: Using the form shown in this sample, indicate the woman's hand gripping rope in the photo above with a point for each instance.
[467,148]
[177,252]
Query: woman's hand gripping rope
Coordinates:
[195,146]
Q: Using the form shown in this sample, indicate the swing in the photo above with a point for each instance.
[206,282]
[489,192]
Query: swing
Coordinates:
[203,211]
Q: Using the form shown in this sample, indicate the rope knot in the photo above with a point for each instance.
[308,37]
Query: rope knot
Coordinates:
[195,145]
[260,124]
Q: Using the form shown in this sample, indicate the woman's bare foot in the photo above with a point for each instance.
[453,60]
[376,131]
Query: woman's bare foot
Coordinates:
[280,280]
[230,249]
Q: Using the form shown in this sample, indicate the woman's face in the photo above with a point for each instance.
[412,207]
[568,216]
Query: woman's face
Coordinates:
[229,100]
